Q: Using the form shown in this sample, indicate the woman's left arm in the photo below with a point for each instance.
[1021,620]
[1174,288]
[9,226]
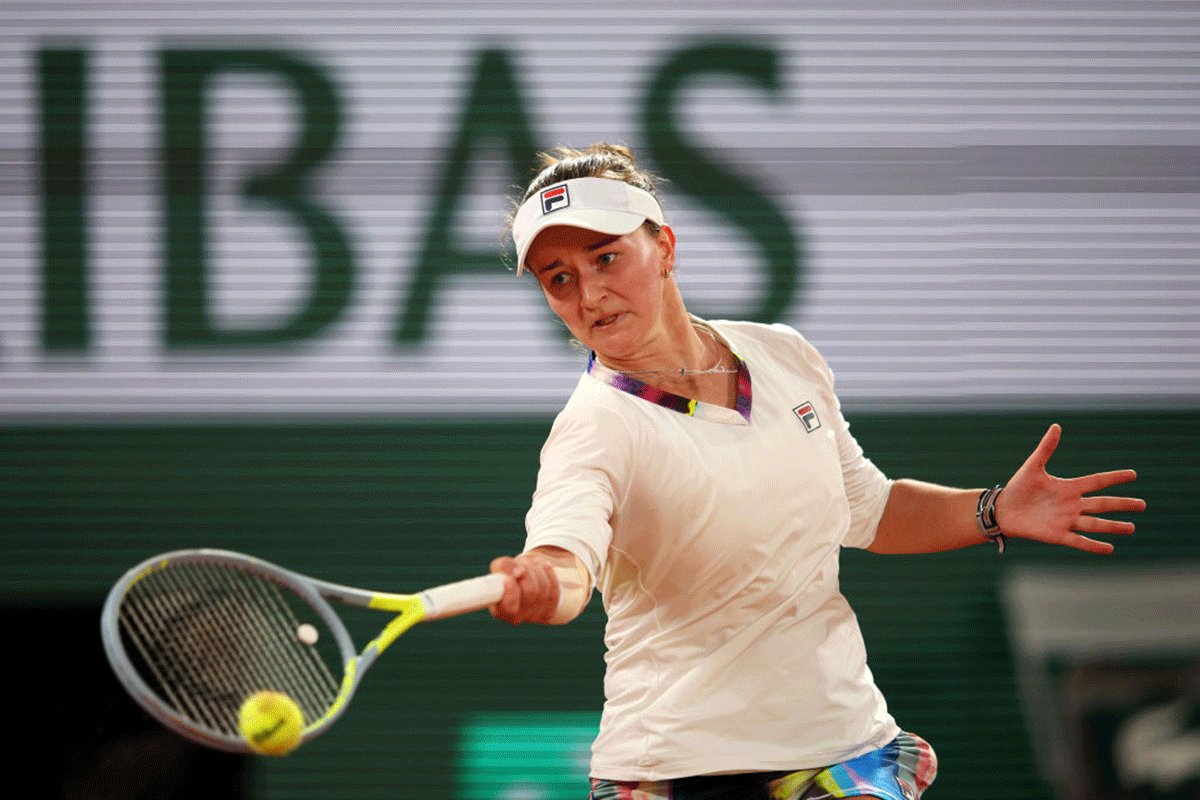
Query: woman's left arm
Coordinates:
[925,518]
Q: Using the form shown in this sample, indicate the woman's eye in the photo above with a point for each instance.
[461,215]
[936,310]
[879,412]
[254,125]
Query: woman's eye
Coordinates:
[559,279]
[606,258]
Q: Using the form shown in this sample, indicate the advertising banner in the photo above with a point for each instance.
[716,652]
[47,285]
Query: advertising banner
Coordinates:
[211,208]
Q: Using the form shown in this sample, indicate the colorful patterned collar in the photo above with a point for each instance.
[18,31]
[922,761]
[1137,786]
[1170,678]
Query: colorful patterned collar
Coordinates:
[661,397]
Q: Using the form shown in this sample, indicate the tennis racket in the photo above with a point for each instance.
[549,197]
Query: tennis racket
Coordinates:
[193,633]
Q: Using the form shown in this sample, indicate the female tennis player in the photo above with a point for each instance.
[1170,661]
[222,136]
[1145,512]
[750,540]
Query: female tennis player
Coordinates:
[703,478]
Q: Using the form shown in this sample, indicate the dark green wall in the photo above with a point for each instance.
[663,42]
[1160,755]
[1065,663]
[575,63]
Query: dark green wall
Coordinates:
[400,506]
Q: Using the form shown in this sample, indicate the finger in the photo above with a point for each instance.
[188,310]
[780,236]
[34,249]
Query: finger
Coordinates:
[502,564]
[1089,545]
[1102,480]
[1107,505]
[1041,454]
[547,588]
[510,602]
[506,607]
[538,589]
[531,591]
[1087,524]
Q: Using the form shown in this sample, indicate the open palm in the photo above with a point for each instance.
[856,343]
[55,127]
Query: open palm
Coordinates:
[1036,505]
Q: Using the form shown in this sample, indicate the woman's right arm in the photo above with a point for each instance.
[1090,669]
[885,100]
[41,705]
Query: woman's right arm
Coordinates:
[546,585]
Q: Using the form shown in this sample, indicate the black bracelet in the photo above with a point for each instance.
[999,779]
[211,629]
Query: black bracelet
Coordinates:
[985,516]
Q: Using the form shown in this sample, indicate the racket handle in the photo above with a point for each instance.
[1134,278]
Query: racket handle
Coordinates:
[462,597]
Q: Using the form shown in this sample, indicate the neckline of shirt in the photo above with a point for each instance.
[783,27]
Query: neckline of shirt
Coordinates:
[678,403]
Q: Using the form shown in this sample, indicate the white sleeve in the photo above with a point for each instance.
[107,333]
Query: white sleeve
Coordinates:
[584,467]
[867,488]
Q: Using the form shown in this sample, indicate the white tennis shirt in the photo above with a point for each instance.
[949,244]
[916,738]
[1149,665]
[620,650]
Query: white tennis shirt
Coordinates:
[714,540]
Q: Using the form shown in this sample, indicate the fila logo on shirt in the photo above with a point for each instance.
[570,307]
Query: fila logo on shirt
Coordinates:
[808,416]
[555,198]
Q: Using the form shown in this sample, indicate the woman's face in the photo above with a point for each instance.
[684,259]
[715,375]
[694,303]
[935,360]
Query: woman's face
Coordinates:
[608,290]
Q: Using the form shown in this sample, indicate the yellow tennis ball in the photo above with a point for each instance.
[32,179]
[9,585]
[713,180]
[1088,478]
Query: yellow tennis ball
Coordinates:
[271,723]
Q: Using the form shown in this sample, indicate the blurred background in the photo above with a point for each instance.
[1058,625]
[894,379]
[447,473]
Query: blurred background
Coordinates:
[253,295]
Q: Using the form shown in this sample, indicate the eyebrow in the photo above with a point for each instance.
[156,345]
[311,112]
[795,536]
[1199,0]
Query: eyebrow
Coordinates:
[605,242]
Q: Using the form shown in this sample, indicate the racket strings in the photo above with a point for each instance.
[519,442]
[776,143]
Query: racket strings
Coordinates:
[211,635]
[141,622]
[315,686]
[259,609]
[175,630]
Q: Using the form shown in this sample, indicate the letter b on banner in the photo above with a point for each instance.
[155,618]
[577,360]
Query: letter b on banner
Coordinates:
[187,75]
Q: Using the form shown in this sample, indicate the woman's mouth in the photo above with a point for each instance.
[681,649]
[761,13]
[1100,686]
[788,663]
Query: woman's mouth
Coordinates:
[605,321]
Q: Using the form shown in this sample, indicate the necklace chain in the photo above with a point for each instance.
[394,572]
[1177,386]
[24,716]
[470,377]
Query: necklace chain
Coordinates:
[715,369]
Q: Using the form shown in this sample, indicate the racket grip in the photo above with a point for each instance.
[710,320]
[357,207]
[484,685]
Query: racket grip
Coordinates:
[462,597]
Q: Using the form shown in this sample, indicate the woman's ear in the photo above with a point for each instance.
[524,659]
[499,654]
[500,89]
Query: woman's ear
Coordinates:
[666,245]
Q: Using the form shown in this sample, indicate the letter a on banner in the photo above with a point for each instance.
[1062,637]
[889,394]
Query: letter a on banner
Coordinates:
[492,113]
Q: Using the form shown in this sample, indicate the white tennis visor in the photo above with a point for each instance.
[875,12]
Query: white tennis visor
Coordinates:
[597,204]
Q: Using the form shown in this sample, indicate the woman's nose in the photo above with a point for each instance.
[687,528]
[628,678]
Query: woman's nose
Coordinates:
[592,288]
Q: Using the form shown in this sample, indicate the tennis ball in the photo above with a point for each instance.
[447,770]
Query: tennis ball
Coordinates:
[307,634]
[271,723]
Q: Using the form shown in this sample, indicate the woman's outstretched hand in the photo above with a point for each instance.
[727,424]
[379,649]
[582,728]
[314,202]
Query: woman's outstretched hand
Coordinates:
[1036,505]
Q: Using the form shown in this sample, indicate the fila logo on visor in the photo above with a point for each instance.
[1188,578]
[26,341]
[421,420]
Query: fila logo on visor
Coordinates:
[808,416]
[555,198]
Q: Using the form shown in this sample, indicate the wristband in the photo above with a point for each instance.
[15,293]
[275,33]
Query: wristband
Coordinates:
[985,516]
